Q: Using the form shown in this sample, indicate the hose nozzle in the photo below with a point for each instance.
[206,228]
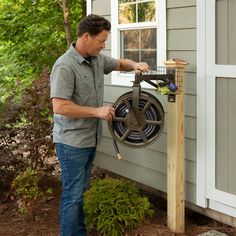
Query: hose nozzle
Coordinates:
[119,156]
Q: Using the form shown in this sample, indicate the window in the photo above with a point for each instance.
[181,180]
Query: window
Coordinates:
[139,45]
[136,11]
[138,33]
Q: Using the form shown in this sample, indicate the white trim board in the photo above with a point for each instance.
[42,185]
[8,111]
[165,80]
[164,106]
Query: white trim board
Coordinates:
[201,106]
[207,72]
[88,7]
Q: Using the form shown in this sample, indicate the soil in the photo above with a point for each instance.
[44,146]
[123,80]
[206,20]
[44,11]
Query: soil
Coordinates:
[45,220]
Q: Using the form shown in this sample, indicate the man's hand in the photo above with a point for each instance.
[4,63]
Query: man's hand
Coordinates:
[141,67]
[129,65]
[106,113]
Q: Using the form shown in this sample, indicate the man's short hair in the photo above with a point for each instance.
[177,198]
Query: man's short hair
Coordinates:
[93,24]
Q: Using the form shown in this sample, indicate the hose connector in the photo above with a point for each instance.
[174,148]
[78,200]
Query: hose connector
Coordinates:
[119,157]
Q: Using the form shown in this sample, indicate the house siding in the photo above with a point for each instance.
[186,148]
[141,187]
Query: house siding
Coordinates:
[149,165]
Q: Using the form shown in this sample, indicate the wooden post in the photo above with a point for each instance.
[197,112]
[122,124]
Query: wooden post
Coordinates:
[175,153]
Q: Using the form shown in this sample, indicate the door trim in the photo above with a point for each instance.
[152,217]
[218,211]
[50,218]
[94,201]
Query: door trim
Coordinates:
[207,72]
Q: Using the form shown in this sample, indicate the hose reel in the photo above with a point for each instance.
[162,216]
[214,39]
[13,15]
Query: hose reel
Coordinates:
[140,129]
[139,116]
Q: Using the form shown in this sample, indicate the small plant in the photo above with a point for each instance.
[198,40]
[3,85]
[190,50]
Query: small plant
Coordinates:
[49,191]
[114,206]
[26,185]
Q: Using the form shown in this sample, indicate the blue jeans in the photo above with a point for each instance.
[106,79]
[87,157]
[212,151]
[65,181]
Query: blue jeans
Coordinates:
[76,165]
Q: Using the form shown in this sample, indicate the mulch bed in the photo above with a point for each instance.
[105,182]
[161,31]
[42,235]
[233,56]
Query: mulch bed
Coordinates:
[45,220]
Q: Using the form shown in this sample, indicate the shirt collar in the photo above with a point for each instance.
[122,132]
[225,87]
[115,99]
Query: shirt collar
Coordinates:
[75,54]
[80,59]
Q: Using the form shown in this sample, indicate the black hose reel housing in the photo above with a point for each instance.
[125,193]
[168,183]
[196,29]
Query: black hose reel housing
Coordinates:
[138,122]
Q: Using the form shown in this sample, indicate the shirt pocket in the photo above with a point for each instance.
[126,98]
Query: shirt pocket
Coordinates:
[85,90]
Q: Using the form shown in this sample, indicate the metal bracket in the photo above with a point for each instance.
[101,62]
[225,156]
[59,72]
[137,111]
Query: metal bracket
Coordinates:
[165,77]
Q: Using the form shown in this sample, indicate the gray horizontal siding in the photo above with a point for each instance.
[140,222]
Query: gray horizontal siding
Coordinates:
[149,165]
[145,157]
[101,7]
[177,17]
[181,39]
[180,3]
[190,83]
[140,174]
[132,171]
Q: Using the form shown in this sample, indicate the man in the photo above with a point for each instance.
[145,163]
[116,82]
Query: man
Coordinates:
[77,98]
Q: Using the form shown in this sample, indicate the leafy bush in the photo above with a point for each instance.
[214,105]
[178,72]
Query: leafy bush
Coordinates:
[32,37]
[25,131]
[114,206]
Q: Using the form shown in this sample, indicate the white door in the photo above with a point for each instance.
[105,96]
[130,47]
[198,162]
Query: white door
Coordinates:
[220,105]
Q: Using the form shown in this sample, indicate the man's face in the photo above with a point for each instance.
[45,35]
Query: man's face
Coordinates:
[96,43]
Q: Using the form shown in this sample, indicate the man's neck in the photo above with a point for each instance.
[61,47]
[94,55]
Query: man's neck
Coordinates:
[80,49]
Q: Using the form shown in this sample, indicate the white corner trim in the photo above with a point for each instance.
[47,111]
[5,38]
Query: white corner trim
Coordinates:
[161,35]
[201,104]
[88,7]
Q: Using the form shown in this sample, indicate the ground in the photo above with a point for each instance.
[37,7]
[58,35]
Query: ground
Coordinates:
[46,218]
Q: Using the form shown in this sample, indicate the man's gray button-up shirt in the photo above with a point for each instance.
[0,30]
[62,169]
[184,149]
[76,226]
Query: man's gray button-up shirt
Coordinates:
[76,79]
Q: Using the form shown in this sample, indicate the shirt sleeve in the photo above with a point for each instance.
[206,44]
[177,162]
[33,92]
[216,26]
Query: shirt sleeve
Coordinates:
[110,64]
[61,82]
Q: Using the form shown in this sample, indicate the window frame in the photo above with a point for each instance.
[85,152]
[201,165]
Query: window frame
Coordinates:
[119,78]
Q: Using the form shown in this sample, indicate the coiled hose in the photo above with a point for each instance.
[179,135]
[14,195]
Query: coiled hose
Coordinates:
[136,128]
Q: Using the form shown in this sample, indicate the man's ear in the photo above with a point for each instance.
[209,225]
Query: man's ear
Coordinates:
[85,35]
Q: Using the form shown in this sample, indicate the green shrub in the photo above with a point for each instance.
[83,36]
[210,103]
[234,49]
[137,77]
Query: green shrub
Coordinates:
[114,206]
[26,185]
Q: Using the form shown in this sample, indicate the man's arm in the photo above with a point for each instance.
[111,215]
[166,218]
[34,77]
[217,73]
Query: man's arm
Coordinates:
[129,65]
[72,110]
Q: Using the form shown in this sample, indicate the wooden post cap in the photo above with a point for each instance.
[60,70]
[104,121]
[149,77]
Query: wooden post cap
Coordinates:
[176,62]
